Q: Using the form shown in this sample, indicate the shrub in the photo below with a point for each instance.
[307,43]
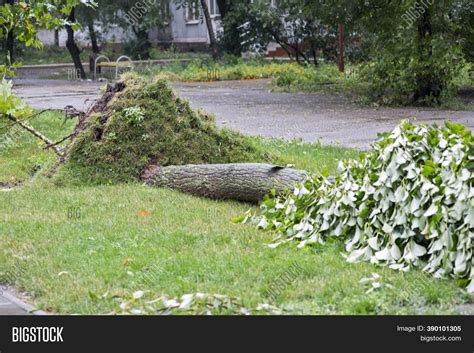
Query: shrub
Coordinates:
[306,78]
[408,203]
[406,79]
[288,76]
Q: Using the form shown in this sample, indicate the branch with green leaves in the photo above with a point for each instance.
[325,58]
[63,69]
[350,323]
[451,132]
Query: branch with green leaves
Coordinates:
[23,20]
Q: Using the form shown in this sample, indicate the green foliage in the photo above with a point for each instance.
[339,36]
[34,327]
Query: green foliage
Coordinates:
[465,28]
[11,104]
[288,76]
[307,79]
[146,123]
[237,71]
[416,55]
[307,30]
[408,203]
[399,75]
[417,58]
[24,19]
[136,16]
[244,28]
[134,115]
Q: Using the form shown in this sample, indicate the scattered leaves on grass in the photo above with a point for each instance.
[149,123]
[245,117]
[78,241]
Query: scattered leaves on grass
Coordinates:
[140,303]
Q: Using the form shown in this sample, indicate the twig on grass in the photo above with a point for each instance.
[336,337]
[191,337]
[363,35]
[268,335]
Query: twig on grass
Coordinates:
[38,134]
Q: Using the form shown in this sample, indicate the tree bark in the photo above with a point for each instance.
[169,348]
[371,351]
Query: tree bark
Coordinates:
[72,46]
[9,41]
[10,47]
[248,182]
[341,47]
[210,29]
[428,84]
[143,45]
[56,37]
[223,7]
[93,35]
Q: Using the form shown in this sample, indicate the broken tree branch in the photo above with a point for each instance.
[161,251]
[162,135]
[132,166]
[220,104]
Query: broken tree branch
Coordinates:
[58,142]
[38,134]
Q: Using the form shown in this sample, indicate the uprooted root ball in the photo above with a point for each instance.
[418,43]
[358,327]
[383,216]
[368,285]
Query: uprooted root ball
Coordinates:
[139,123]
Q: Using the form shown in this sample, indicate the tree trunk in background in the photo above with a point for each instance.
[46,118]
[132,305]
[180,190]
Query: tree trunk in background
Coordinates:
[56,37]
[315,54]
[93,35]
[210,29]
[72,46]
[341,47]
[143,45]
[248,182]
[223,7]
[427,83]
[9,42]
[10,46]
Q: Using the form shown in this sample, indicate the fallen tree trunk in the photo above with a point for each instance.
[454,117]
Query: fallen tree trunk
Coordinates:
[243,182]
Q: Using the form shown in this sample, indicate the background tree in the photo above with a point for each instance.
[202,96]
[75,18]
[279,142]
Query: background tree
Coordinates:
[20,21]
[136,17]
[8,45]
[210,29]
[71,44]
[417,49]
[23,21]
[305,29]
[88,17]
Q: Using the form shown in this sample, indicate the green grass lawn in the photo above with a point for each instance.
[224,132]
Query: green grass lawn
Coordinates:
[21,154]
[83,249]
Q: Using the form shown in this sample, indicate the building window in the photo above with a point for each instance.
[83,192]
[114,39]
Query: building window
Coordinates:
[192,11]
[164,8]
[213,8]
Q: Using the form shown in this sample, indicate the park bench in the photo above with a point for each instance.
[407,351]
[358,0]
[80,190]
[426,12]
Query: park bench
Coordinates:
[122,62]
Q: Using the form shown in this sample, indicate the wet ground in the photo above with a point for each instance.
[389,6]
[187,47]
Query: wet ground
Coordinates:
[249,106]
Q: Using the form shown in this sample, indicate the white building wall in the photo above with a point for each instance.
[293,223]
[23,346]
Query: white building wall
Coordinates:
[113,34]
[180,30]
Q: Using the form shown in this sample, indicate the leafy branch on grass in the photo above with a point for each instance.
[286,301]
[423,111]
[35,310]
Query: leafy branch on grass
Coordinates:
[407,204]
[36,133]
[13,109]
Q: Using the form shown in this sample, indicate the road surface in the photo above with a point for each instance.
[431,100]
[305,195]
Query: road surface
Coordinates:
[250,107]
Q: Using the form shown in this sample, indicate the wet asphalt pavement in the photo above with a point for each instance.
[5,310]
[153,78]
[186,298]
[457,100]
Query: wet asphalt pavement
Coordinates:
[250,107]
